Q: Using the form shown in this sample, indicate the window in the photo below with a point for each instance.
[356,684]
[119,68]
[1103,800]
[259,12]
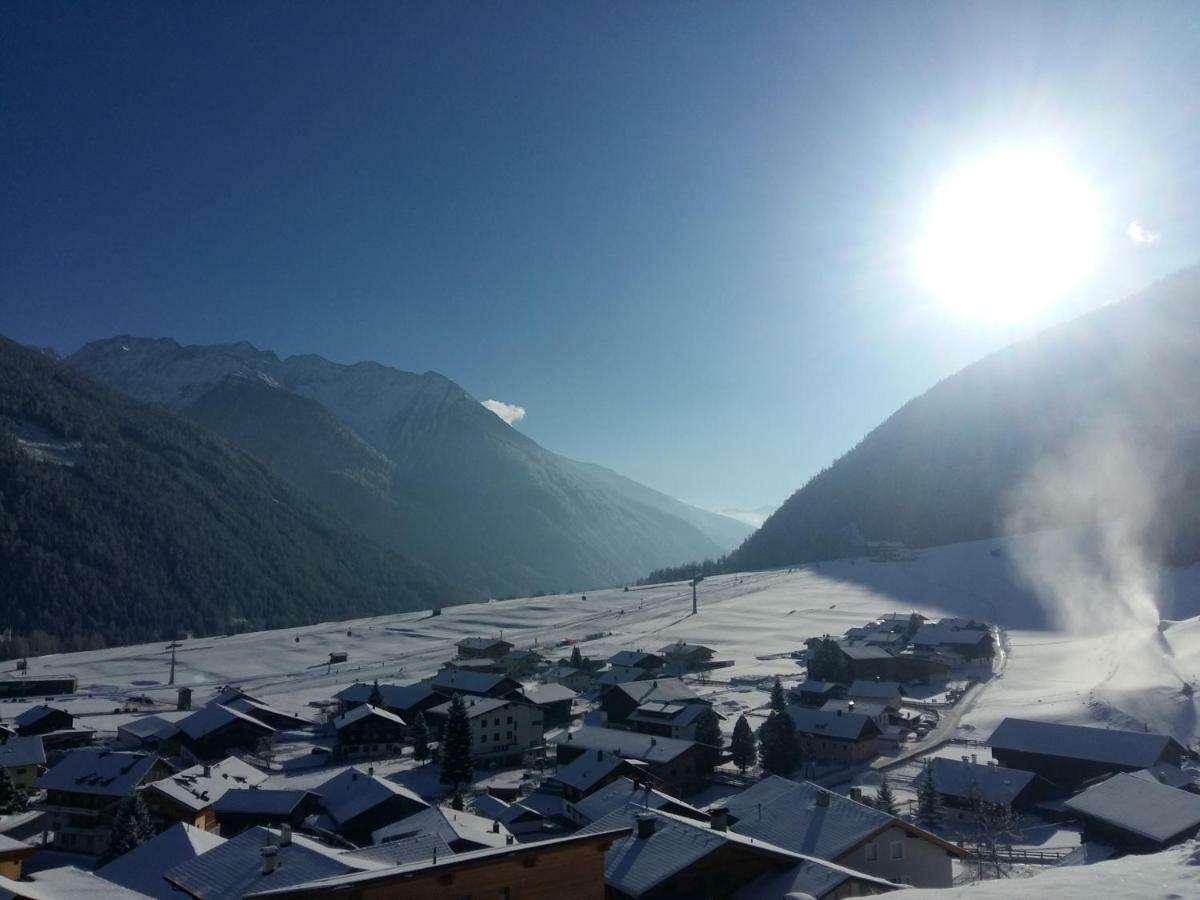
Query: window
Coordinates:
[897,849]
[508,722]
[872,852]
[508,734]
[483,739]
[497,722]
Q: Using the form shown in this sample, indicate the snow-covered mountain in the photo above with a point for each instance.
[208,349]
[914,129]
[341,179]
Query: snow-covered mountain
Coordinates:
[419,465]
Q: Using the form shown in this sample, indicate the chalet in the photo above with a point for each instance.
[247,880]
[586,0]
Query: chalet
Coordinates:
[677,764]
[674,720]
[634,665]
[1069,755]
[667,855]
[23,758]
[835,737]
[84,791]
[241,808]
[816,693]
[475,684]
[501,730]
[561,867]
[188,796]
[368,731]
[486,666]
[518,819]
[620,700]
[1172,776]
[42,686]
[255,860]
[214,732]
[405,701]
[554,700]
[876,711]
[868,662]
[967,639]
[43,720]
[682,657]
[141,870]
[890,693]
[355,803]
[617,794]
[1135,815]
[962,782]
[578,680]
[483,648]
[65,883]
[146,733]
[587,773]
[461,831]
[269,715]
[521,663]
[12,857]
[810,820]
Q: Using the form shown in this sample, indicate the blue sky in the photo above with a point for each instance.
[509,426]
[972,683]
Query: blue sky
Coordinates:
[678,235]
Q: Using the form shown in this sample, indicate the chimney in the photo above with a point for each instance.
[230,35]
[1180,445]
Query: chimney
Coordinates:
[719,818]
[966,759]
[822,798]
[645,826]
[509,839]
[207,770]
[495,826]
[269,861]
[856,794]
[370,770]
[599,755]
[354,773]
[285,835]
[973,759]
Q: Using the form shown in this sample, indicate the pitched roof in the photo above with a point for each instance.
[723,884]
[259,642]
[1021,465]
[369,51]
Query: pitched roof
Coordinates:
[864,651]
[874,690]
[660,689]
[195,790]
[481,643]
[262,802]
[142,868]
[944,632]
[208,719]
[67,883]
[36,713]
[1165,773]
[1145,808]
[401,852]
[22,751]
[995,784]
[681,714]
[234,868]
[1106,745]
[815,687]
[258,709]
[490,807]
[629,744]
[366,711]
[352,792]
[811,878]
[683,648]
[850,706]
[588,770]
[846,726]
[621,792]
[635,659]
[549,693]
[149,727]
[102,772]
[790,814]
[458,680]
[448,824]
[476,706]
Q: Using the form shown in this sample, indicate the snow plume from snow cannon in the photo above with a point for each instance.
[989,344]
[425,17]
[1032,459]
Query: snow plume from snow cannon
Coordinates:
[1095,562]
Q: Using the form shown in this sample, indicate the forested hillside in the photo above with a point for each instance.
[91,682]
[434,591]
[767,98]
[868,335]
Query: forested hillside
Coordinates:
[120,522]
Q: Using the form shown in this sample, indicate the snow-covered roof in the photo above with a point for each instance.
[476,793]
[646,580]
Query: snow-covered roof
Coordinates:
[874,690]
[871,708]
[995,784]
[628,744]
[395,696]
[810,878]
[864,652]
[401,852]
[490,807]
[366,711]
[931,635]
[660,689]
[352,792]
[234,868]
[812,686]
[681,714]
[195,790]
[1107,745]
[588,770]
[481,643]
[449,824]
[259,709]
[35,714]
[67,883]
[1165,773]
[22,751]
[208,719]
[617,794]
[476,706]
[635,659]
[142,868]
[1145,808]
[258,801]
[460,681]
[102,772]
[683,648]
[791,814]
[149,727]
[846,726]
[541,694]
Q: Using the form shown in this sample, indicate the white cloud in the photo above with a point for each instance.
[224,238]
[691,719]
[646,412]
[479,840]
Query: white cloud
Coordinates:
[1140,234]
[509,412]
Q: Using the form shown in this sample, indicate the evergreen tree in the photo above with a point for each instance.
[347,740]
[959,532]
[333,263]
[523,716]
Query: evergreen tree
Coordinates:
[743,745]
[708,735]
[456,745]
[456,802]
[12,798]
[576,658]
[778,746]
[420,738]
[929,801]
[778,700]
[131,827]
[375,698]
[885,800]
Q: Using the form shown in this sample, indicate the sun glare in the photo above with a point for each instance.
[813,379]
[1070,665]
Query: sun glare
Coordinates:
[1007,235]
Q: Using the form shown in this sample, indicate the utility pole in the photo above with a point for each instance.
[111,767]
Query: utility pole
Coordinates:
[174,644]
[695,581]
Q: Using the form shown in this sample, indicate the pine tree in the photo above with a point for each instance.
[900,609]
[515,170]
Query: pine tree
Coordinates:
[743,745]
[12,798]
[778,746]
[420,738]
[131,827]
[885,800]
[710,739]
[576,658]
[929,801]
[778,700]
[456,745]
[375,698]
[456,802]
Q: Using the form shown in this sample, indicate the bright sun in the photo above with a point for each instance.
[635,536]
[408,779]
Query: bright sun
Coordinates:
[1007,235]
